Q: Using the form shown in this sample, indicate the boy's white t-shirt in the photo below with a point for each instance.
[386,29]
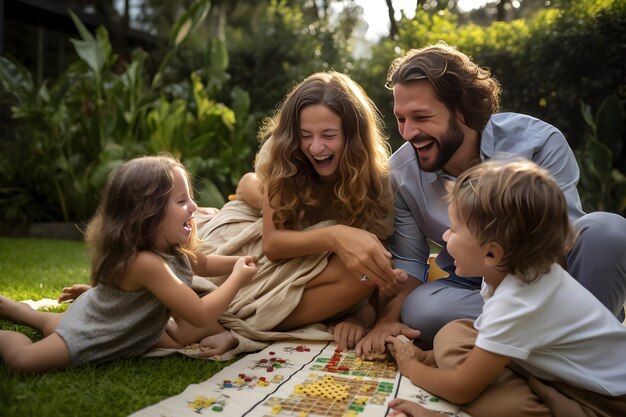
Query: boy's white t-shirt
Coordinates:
[556,330]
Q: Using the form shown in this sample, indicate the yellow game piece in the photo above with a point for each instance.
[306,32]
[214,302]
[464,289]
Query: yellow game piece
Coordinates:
[303,414]
[276,408]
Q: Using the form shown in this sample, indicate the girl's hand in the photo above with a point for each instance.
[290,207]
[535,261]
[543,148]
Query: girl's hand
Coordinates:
[72,293]
[244,269]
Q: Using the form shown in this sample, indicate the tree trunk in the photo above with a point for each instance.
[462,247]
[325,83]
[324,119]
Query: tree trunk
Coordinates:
[501,7]
[393,25]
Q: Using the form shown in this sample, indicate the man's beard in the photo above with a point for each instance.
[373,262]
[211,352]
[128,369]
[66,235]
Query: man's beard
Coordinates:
[449,143]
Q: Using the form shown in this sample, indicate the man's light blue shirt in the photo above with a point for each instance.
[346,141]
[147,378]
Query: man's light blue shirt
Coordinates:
[421,212]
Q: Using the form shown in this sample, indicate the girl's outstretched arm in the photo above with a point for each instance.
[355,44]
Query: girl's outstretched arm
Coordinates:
[150,271]
[214,265]
[459,385]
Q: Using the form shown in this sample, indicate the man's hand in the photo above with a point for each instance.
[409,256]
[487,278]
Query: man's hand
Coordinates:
[374,342]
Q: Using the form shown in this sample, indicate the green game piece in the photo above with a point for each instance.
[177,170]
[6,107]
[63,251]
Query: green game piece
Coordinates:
[356,407]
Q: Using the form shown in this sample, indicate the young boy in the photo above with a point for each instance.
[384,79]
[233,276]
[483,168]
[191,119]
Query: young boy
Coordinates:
[509,224]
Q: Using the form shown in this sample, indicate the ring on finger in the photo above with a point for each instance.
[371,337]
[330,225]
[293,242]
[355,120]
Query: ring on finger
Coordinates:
[364,278]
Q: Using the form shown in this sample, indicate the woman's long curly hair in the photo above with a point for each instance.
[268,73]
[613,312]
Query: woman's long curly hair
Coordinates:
[126,222]
[459,83]
[287,175]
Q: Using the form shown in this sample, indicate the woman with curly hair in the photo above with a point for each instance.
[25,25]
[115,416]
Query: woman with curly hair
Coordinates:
[322,185]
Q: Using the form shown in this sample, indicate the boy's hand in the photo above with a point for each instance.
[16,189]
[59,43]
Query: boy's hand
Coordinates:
[405,352]
[373,343]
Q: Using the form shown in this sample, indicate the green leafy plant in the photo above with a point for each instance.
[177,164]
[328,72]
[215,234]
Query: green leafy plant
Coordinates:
[602,184]
[70,133]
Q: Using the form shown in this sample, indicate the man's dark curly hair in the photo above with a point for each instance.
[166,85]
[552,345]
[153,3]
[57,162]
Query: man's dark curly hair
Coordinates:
[458,82]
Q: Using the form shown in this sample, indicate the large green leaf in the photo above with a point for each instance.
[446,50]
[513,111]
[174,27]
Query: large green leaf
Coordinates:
[194,16]
[209,195]
[585,110]
[88,48]
[610,124]
[16,79]
[218,57]
[598,158]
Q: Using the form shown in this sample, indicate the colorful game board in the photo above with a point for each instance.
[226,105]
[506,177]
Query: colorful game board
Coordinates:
[302,379]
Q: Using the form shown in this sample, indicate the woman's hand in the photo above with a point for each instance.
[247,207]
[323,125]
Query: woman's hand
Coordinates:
[364,255]
[348,332]
[396,286]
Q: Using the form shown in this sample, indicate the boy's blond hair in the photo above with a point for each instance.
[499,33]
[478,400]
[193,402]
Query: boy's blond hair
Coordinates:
[517,204]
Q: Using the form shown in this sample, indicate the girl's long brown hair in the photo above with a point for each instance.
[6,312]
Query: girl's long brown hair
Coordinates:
[126,222]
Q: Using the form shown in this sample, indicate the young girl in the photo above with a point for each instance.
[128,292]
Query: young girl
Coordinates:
[509,224]
[142,242]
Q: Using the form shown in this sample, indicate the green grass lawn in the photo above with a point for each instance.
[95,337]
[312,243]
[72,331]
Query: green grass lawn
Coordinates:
[38,268]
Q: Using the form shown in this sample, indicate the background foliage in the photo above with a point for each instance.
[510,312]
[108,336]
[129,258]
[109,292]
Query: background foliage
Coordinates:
[218,67]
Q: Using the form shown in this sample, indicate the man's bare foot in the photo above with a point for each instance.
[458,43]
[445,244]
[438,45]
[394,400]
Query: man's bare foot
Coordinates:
[403,408]
[13,310]
[217,344]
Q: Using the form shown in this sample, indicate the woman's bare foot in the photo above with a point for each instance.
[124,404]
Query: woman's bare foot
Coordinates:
[403,408]
[217,344]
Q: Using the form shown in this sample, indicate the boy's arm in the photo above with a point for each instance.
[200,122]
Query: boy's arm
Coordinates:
[459,385]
